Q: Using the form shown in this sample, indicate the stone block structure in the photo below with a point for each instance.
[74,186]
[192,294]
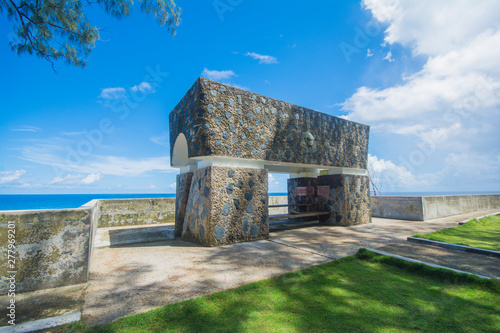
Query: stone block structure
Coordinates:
[225,140]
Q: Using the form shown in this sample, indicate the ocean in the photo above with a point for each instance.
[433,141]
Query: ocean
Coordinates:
[58,201]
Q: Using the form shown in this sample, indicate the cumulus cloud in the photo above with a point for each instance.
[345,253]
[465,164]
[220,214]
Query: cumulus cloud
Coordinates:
[7,177]
[388,176]
[92,178]
[451,103]
[113,93]
[263,59]
[143,87]
[217,75]
[68,179]
[118,93]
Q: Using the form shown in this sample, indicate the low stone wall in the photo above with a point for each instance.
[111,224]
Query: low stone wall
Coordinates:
[280,200]
[433,207]
[126,212]
[52,248]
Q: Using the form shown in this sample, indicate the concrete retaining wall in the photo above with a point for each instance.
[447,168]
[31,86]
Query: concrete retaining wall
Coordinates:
[428,208]
[281,200]
[402,208]
[125,212]
[441,206]
[52,248]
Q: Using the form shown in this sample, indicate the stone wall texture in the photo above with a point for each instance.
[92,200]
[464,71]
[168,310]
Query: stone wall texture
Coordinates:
[220,120]
[124,212]
[227,205]
[52,248]
[183,185]
[348,200]
[294,199]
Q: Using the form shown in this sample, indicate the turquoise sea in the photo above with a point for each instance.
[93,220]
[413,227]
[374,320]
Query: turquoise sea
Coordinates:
[57,201]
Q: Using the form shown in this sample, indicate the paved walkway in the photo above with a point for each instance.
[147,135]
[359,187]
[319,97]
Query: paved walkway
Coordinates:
[128,279]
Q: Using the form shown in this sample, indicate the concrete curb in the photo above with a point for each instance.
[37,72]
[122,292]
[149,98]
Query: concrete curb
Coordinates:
[480,217]
[43,323]
[425,263]
[456,247]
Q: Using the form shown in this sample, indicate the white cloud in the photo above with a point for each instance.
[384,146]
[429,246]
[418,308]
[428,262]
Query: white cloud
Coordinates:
[68,179]
[143,87]
[92,178]
[172,186]
[388,57]
[432,27]
[60,159]
[388,176]
[263,59]
[217,75]
[369,53]
[7,177]
[117,93]
[451,103]
[27,129]
[113,93]
[162,139]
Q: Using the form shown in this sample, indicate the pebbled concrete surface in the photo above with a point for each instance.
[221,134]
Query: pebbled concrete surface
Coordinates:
[131,279]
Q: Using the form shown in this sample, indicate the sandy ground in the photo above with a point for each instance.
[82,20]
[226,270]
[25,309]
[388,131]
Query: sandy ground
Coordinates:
[128,279]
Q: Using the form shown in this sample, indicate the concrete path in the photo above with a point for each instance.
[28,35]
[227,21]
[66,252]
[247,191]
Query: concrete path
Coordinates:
[468,262]
[128,279]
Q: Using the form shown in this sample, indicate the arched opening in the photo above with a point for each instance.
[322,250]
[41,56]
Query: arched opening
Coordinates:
[180,153]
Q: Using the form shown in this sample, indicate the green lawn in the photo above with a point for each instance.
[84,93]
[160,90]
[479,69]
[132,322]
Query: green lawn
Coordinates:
[363,293]
[484,233]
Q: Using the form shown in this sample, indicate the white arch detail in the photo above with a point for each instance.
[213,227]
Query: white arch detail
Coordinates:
[180,152]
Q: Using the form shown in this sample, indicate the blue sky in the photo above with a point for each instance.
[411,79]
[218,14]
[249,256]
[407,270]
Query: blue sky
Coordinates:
[424,75]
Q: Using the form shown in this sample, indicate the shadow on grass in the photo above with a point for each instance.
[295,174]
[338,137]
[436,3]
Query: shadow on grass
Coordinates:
[345,295]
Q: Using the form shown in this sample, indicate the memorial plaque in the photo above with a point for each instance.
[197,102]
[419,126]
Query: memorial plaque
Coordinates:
[304,191]
[324,190]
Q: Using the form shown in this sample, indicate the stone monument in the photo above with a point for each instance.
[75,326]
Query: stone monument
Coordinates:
[225,140]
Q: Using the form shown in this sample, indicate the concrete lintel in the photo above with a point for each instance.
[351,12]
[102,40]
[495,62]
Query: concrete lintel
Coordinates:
[347,171]
[311,173]
[187,168]
[230,162]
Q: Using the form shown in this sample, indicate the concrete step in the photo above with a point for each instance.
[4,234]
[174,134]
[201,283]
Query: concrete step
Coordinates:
[118,236]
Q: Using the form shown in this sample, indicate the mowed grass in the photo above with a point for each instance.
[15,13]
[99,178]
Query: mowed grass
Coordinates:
[483,233]
[362,293]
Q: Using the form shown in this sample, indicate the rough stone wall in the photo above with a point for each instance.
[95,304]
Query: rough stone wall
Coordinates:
[294,199]
[52,248]
[220,120]
[125,212]
[348,202]
[227,205]
[181,197]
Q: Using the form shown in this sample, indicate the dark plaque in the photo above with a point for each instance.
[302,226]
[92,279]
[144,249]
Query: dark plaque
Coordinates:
[304,191]
[324,190]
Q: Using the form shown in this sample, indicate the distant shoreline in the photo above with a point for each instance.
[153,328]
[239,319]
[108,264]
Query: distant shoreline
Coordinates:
[66,201]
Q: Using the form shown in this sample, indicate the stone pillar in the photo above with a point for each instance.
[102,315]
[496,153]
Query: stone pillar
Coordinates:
[347,197]
[227,205]
[294,198]
[181,197]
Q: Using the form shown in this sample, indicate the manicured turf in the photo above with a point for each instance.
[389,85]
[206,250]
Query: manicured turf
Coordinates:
[363,293]
[484,234]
